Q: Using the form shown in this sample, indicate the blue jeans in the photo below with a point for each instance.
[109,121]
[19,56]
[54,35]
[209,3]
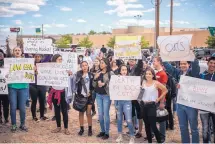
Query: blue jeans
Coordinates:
[188,115]
[125,107]
[104,102]
[22,95]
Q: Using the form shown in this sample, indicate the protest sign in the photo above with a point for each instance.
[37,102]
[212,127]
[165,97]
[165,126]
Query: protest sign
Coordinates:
[3,83]
[69,58]
[175,48]
[127,47]
[37,46]
[21,70]
[196,93]
[3,42]
[12,40]
[203,66]
[52,74]
[124,87]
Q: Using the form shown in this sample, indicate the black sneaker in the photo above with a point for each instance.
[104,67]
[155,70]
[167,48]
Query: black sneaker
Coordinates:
[23,128]
[36,119]
[101,134]
[138,135]
[54,118]
[90,133]
[44,118]
[6,121]
[105,137]
[81,132]
[13,128]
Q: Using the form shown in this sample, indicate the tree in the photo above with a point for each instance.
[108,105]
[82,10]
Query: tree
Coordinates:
[64,42]
[85,42]
[144,43]
[111,42]
[211,41]
[92,32]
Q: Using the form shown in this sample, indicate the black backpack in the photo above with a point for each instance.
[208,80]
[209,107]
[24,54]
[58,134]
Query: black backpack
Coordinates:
[171,86]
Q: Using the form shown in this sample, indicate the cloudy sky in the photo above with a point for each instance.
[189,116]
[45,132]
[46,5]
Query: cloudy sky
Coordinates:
[80,16]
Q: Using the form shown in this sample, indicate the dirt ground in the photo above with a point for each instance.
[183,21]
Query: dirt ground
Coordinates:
[41,132]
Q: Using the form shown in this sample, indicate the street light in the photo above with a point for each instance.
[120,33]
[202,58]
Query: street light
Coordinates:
[138,17]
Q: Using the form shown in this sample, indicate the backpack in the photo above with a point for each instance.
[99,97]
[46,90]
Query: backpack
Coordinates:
[171,86]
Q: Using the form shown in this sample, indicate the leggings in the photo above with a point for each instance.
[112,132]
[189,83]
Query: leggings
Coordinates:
[61,108]
[5,102]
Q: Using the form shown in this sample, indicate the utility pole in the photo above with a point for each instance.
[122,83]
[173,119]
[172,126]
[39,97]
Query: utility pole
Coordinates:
[171,16]
[156,3]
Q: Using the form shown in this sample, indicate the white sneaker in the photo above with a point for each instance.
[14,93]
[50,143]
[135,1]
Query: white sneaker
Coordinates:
[131,140]
[119,139]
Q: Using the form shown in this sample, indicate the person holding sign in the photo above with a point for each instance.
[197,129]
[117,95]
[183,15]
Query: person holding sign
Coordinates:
[101,84]
[150,99]
[204,115]
[57,96]
[4,101]
[124,106]
[186,114]
[36,92]
[18,94]
[83,96]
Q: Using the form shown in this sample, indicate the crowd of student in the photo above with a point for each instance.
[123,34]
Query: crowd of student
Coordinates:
[159,82]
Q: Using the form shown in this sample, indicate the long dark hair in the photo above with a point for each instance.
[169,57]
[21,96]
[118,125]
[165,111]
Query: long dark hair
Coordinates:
[86,63]
[120,68]
[152,71]
[106,61]
[139,68]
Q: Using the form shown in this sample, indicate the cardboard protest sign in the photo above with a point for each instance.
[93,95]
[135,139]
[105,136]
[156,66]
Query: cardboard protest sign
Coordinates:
[52,74]
[203,66]
[3,83]
[127,47]
[69,58]
[124,87]
[175,48]
[3,42]
[21,70]
[196,93]
[37,46]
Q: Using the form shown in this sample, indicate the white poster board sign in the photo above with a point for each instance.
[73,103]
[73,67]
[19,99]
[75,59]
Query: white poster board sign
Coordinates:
[3,83]
[124,87]
[21,70]
[203,66]
[127,47]
[69,58]
[37,46]
[175,48]
[12,39]
[197,93]
[52,74]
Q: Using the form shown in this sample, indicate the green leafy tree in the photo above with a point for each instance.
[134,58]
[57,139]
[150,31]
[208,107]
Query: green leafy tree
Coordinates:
[92,32]
[85,42]
[64,42]
[211,41]
[111,42]
[144,43]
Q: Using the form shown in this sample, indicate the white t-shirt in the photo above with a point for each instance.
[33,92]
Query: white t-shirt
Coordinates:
[87,83]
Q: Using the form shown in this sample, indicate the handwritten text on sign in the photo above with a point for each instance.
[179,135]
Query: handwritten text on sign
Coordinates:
[52,74]
[38,46]
[69,58]
[197,93]
[127,47]
[21,70]
[124,87]
[175,48]
[3,83]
